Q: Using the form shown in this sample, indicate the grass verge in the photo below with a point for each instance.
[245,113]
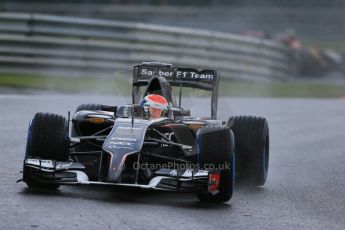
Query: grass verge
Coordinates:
[123,86]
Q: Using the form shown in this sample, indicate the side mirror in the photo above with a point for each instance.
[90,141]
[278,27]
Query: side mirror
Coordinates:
[181,113]
[128,111]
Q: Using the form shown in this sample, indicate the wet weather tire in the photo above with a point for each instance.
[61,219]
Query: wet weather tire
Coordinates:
[88,161]
[252,148]
[86,146]
[215,146]
[47,139]
[74,132]
[91,107]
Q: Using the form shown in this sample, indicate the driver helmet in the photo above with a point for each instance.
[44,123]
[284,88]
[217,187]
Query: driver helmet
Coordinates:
[155,104]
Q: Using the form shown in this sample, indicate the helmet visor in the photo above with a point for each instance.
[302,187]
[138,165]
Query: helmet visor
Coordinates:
[155,113]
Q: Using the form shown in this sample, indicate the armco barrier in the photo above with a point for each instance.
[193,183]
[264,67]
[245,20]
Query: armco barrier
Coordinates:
[68,46]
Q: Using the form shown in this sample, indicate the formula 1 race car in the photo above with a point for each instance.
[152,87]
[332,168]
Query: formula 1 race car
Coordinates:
[120,146]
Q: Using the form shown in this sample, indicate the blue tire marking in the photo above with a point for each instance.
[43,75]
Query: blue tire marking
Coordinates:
[197,149]
[265,165]
[232,140]
[28,140]
[233,169]
[264,157]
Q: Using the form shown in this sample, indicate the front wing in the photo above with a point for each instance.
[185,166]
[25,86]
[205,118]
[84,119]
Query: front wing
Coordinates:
[71,173]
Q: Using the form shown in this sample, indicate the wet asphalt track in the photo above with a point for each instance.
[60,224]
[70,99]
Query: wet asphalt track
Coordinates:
[305,187]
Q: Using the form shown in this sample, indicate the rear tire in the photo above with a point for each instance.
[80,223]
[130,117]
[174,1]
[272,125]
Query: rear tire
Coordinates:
[88,161]
[91,107]
[74,132]
[216,146]
[86,146]
[252,148]
[47,139]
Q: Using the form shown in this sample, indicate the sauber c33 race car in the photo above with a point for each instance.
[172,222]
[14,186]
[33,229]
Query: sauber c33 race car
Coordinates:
[120,146]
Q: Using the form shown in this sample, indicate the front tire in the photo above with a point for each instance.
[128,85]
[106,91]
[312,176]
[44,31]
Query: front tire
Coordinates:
[47,139]
[215,146]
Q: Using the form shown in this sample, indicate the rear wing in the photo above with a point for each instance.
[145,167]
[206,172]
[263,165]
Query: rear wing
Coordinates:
[176,76]
[188,77]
